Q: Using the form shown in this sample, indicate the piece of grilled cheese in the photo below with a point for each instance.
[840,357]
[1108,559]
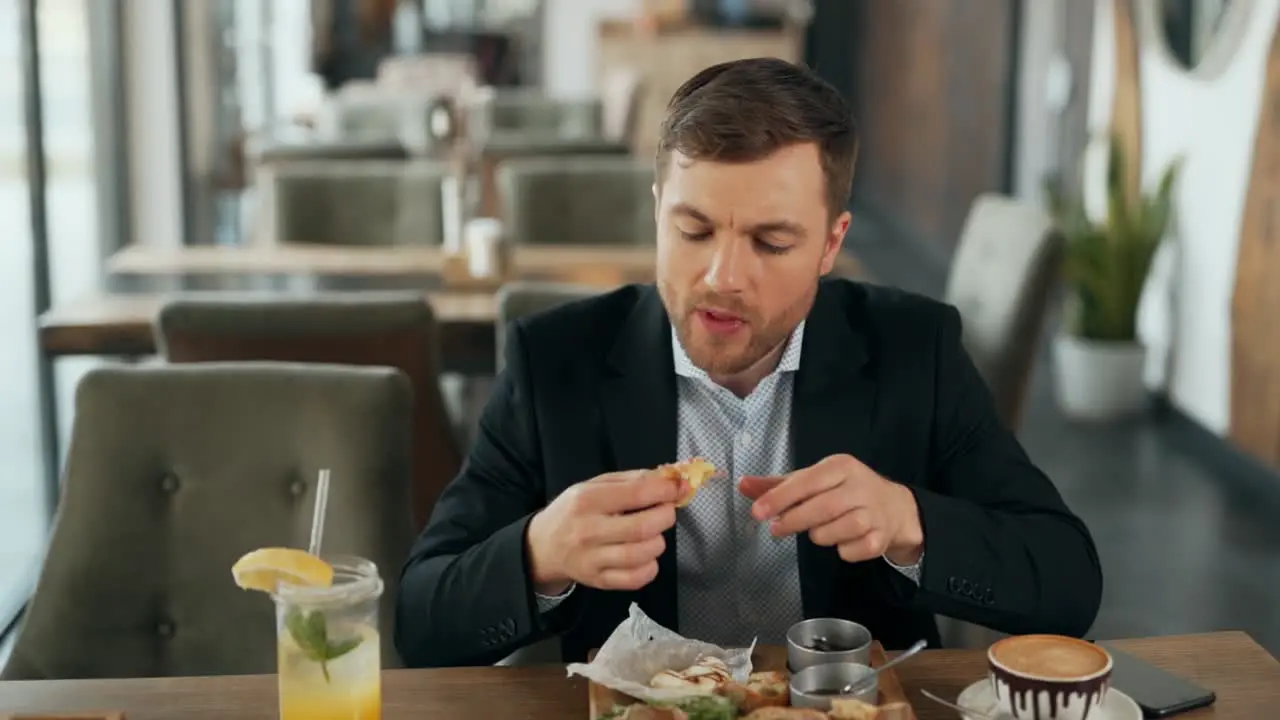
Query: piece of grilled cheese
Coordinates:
[768,688]
[696,472]
[853,709]
[786,713]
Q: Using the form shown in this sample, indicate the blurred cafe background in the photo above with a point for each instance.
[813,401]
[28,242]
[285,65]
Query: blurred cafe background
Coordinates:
[216,183]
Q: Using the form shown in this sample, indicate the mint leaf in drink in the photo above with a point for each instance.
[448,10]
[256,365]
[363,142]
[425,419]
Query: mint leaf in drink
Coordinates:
[336,650]
[310,630]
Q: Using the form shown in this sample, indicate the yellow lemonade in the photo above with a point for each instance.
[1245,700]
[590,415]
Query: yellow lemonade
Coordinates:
[348,687]
[328,649]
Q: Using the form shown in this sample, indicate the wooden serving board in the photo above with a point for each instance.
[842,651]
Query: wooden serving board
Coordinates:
[601,699]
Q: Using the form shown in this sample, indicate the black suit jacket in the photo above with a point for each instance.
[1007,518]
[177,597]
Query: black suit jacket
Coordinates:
[590,388]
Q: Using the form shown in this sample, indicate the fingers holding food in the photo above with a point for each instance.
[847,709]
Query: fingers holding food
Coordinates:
[694,473]
[604,533]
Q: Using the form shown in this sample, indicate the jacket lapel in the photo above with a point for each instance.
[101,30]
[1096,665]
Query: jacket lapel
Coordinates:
[639,402]
[831,413]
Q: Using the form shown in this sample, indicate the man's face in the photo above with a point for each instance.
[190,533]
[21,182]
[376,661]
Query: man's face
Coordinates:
[741,247]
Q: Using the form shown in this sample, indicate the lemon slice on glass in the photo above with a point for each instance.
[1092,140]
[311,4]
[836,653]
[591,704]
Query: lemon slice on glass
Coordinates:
[266,568]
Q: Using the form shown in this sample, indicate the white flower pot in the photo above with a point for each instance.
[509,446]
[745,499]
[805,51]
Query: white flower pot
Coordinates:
[1099,380]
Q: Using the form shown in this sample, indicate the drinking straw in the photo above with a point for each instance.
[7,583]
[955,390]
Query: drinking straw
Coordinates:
[317,519]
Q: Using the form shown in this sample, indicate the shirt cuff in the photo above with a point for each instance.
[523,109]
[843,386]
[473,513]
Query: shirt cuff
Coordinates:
[911,571]
[547,603]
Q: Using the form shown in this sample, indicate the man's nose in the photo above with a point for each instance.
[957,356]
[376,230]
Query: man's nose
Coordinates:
[728,270]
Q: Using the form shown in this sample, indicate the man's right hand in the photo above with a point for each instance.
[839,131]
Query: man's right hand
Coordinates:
[604,533]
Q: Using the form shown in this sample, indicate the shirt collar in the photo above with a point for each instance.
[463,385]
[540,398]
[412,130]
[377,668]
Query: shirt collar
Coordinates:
[790,361]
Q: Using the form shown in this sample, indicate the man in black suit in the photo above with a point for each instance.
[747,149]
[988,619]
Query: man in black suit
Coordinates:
[868,476]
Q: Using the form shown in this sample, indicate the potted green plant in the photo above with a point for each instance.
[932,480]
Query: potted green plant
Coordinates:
[1098,357]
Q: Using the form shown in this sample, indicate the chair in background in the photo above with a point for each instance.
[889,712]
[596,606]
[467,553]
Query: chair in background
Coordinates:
[596,200]
[523,298]
[173,473]
[1004,272]
[1002,277]
[383,329]
[530,115]
[620,92]
[352,202]
[442,72]
[468,396]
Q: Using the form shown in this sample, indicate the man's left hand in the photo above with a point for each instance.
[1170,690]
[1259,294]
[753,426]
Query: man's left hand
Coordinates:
[843,503]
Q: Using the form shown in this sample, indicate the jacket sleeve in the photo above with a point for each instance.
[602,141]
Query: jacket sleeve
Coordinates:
[1002,548]
[465,596]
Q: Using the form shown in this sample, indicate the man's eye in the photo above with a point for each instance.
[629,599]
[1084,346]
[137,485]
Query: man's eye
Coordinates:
[699,235]
[770,248]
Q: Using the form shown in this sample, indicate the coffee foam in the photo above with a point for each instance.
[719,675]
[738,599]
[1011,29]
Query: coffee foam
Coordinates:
[1050,656]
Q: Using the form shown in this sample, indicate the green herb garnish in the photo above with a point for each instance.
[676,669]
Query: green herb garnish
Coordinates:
[705,707]
[696,707]
[310,631]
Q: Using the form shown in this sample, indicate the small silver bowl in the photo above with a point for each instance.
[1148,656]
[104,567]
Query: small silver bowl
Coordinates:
[805,640]
[815,687]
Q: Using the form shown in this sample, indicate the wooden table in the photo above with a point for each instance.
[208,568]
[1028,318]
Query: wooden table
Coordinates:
[591,264]
[120,325]
[1245,677]
[118,322]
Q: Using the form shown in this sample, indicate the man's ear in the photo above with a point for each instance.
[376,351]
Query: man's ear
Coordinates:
[835,240]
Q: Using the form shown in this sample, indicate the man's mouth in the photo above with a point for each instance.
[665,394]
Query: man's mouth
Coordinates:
[720,322]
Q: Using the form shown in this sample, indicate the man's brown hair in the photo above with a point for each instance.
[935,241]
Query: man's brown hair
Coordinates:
[746,110]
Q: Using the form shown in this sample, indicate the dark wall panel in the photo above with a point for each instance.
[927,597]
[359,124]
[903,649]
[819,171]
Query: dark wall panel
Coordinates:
[933,94]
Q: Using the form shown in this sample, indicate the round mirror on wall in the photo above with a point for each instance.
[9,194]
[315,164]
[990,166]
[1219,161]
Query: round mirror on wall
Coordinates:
[1190,27]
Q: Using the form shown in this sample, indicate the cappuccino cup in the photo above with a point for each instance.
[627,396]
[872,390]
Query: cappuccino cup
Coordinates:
[1049,677]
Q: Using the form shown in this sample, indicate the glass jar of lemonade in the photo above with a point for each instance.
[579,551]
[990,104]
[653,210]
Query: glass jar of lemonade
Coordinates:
[329,650]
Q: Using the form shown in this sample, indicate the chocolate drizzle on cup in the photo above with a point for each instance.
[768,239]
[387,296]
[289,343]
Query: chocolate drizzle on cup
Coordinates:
[1049,677]
[1024,693]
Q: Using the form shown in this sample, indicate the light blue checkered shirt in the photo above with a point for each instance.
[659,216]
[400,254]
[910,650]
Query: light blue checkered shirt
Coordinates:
[736,581]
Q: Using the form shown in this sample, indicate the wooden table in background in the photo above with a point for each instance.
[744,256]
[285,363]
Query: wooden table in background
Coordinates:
[118,322]
[593,264]
[1245,677]
[121,325]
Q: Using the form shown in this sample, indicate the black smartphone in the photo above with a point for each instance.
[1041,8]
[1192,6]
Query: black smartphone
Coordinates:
[1158,692]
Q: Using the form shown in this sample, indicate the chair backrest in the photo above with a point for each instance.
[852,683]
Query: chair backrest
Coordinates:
[587,200]
[382,329]
[353,202]
[173,473]
[1002,277]
[620,93]
[519,299]
[523,113]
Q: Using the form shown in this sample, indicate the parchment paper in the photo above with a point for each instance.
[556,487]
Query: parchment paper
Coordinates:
[640,648]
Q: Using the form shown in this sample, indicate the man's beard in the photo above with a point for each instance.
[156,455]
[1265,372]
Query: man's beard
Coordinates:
[715,355]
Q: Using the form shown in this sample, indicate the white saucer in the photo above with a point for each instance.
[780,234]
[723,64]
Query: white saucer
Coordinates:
[1116,706]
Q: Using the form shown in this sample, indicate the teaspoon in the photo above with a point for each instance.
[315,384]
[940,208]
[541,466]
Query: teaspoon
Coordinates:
[853,687]
[964,711]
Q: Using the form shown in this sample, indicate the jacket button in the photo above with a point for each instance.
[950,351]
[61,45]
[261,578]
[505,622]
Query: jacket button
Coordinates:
[989,598]
[953,584]
[169,483]
[165,629]
[509,625]
[297,488]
